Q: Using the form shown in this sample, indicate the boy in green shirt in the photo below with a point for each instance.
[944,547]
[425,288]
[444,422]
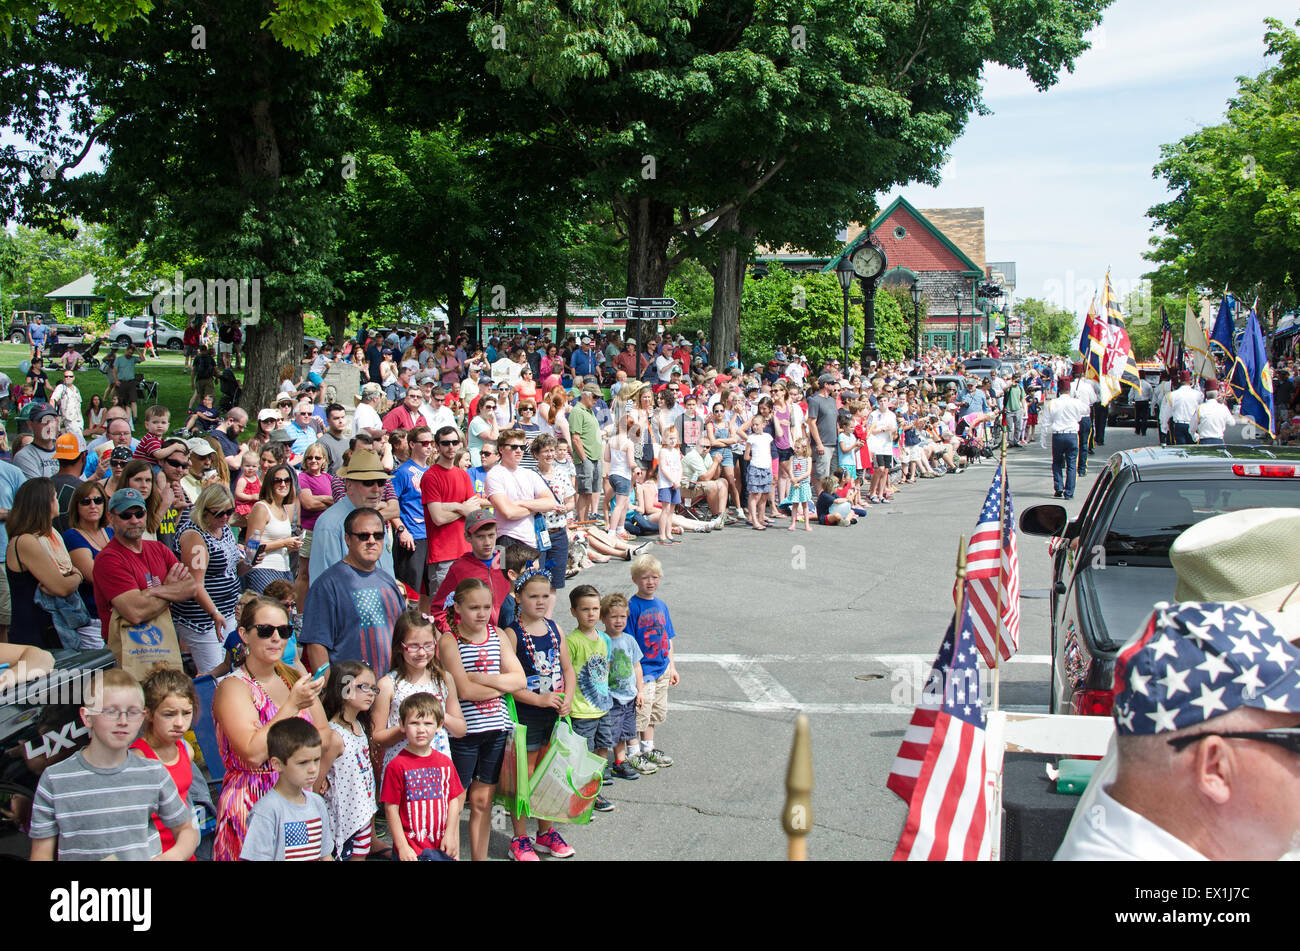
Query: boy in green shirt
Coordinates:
[589,653]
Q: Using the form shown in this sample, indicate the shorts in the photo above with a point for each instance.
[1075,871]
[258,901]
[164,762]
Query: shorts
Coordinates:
[621,485]
[596,731]
[478,756]
[588,481]
[189,349]
[784,455]
[882,460]
[670,496]
[655,709]
[556,559]
[540,722]
[304,553]
[408,566]
[758,480]
[622,721]
[435,573]
[358,843]
[204,388]
[225,348]
[915,453]
[6,603]
[126,392]
[728,460]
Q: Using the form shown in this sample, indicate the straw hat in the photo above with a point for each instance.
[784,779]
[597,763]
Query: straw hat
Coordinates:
[364,464]
[1251,556]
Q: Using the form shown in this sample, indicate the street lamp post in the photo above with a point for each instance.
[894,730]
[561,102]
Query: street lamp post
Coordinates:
[916,318]
[844,271]
[957,345]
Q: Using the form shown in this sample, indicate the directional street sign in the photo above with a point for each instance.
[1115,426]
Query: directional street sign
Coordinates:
[613,314]
[657,303]
[658,314]
[615,303]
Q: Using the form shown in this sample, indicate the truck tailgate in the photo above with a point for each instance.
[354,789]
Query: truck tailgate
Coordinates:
[1126,594]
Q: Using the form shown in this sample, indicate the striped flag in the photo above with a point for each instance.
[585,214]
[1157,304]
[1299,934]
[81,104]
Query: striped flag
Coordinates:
[1168,346]
[302,840]
[947,811]
[992,566]
[1112,353]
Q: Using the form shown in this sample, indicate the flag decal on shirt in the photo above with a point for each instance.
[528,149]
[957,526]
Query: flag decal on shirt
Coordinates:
[302,840]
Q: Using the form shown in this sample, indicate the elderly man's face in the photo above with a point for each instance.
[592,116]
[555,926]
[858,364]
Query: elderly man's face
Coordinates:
[366,541]
[414,397]
[128,525]
[365,492]
[119,433]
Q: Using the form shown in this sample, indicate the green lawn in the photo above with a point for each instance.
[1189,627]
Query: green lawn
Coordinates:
[169,370]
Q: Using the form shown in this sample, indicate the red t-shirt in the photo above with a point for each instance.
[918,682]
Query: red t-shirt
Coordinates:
[118,570]
[401,418]
[148,445]
[421,787]
[446,542]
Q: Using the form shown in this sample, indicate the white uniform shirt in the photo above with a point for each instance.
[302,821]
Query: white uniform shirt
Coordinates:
[1086,392]
[1183,403]
[1062,415]
[1212,420]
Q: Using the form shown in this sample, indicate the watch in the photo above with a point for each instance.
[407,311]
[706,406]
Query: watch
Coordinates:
[868,262]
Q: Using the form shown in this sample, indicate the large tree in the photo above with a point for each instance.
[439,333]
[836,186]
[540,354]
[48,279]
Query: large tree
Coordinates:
[1234,217]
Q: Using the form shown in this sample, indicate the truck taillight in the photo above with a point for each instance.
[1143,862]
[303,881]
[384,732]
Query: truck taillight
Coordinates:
[1093,703]
[1265,472]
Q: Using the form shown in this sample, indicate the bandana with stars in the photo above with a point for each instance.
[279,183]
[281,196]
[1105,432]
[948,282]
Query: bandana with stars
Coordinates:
[1193,661]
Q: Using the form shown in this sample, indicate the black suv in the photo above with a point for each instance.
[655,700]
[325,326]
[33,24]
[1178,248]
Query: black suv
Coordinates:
[1113,564]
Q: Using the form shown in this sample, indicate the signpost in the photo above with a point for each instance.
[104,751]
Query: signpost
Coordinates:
[638,310]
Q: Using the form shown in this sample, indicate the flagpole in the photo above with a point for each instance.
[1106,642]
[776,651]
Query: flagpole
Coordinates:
[796,818]
[961,587]
[997,613]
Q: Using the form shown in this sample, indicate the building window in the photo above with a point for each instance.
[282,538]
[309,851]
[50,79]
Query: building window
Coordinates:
[900,233]
[80,309]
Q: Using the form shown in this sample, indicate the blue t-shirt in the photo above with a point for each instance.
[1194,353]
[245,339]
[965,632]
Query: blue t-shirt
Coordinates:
[352,612]
[478,477]
[38,332]
[624,654]
[652,628]
[406,483]
[329,546]
[11,477]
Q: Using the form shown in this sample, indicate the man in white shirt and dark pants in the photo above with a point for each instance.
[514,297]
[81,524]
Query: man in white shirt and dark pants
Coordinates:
[1086,392]
[1211,420]
[1063,418]
[1180,409]
[1142,408]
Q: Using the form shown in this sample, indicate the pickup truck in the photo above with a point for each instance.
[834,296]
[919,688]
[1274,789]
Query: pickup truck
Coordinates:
[1111,563]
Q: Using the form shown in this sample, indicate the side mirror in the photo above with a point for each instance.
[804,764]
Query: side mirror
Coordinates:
[1044,519]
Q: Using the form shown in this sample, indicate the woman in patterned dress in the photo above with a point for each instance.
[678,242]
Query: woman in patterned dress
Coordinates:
[260,692]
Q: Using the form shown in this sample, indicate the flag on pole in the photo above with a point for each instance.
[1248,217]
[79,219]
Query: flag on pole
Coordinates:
[1252,377]
[1198,344]
[947,810]
[992,566]
[1224,330]
[1168,347]
[1112,363]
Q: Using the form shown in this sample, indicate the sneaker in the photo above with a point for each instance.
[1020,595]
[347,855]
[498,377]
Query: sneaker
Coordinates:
[641,549]
[606,779]
[601,805]
[659,758]
[717,524]
[521,850]
[550,843]
[623,770]
[642,764]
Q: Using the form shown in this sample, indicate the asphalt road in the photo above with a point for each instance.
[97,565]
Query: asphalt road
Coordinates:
[841,623]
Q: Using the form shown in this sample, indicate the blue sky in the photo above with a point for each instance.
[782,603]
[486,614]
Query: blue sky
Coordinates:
[1065,176]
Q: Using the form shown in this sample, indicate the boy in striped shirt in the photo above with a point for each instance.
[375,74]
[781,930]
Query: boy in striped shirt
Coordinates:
[98,802]
[291,823]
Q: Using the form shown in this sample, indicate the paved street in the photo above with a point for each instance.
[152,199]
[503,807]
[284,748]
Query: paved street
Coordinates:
[839,623]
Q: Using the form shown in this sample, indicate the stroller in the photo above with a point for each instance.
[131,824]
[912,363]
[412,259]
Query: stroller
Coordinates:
[972,447]
[231,391]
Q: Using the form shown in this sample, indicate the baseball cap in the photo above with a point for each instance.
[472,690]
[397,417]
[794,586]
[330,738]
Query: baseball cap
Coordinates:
[37,411]
[69,446]
[201,447]
[476,520]
[1195,660]
[425,377]
[826,378]
[268,414]
[124,499]
[121,454]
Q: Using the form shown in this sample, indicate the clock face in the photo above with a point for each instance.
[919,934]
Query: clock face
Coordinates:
[868,262]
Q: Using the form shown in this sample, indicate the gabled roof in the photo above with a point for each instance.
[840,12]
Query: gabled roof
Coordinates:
[83,288]
[900,202]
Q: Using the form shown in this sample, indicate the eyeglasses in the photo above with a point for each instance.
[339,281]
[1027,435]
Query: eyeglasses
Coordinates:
[117,713]
[369,483]
[176,463]
[131,515]
[224,513]
[420,648]
[370,689]
[368,536]
[283,481]
[514,446]
[429,442]
[92,500]
[265,631]
[444,442]
[1286,737]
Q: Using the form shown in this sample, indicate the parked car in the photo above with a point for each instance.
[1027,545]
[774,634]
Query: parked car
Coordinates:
[134,329]
[1113,563]
[61,336]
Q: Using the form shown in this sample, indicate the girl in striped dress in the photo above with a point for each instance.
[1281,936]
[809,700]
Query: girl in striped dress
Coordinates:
[351,794]
[264,690]
[484,669]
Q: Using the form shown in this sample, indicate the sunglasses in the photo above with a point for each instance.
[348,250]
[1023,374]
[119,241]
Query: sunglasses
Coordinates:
[429,442]
[370,483]
[265,631]
[131,515]
[513,446]
[368,536]
[444,442]
[176,463]
[117,463]
[224,513]
[1286,737]
[92,500]
[283,481]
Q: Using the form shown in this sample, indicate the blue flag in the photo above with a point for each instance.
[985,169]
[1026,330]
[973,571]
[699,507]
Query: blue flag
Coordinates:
[1223,330]
[1252,377]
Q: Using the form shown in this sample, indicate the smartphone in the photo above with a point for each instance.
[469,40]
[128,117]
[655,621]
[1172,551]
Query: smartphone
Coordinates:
[320,671]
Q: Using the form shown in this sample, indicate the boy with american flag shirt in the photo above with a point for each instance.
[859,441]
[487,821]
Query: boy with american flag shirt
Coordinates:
[291,823]
[421,793]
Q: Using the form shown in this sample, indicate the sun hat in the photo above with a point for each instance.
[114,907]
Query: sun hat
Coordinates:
[69,446]
[369,391]
[281,435]
[364,464]
[1251,556]
[1195,660]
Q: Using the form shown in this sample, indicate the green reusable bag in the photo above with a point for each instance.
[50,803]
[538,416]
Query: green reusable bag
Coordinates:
[564,785]
[512,789]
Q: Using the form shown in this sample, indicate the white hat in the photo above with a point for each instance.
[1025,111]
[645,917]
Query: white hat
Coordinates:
[268,414]
[200,446]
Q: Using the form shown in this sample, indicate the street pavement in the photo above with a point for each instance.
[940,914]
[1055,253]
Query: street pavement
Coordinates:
[840,623]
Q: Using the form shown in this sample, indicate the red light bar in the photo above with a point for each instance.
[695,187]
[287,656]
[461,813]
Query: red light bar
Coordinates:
[1265,472]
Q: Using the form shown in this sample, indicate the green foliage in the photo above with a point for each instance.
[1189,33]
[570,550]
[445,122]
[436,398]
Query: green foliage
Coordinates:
[1050,329]
[784,307]
[1142,319]
[902,341]
[1234,218]
[691,285]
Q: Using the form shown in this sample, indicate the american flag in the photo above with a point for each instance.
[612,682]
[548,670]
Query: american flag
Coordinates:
[992,565]
[1168,346]
[944,750]
[302,840]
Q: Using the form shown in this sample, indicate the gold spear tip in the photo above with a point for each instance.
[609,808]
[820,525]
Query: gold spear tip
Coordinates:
[796,818]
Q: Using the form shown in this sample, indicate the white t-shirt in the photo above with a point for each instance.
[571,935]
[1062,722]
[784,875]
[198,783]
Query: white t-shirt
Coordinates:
[664,365]
[796,372]
[365,416]
[670,467]
[519,486]
[881,443]
[760,454]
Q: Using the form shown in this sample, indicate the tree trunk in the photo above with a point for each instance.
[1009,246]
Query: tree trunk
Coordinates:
[561,315]
[650,231]
[275,341]
[728,282]
[336,320]
[456,309]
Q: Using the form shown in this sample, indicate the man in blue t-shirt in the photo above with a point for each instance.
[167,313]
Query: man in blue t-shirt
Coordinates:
[36,335]
[351,608]
[411,550]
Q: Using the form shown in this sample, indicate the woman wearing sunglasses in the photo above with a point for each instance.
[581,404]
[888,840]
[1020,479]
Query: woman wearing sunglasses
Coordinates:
[87,534]
[259,692]
[207,546]
[272,517]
